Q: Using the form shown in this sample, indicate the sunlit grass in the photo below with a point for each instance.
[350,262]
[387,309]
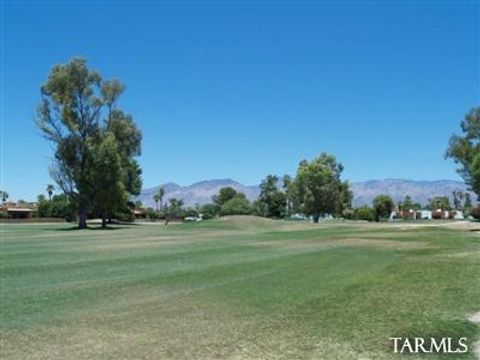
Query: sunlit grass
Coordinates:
[238,288]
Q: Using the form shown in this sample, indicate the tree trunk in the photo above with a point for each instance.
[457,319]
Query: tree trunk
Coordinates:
[104,220]
[82,219]
[316,217]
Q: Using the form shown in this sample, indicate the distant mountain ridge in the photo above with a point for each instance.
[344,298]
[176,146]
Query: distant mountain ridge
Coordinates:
[201,192]
[198,193]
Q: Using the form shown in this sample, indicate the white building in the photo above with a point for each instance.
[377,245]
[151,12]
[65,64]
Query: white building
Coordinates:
[424,214]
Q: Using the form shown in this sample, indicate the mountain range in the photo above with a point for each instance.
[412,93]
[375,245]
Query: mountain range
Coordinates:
[364,192]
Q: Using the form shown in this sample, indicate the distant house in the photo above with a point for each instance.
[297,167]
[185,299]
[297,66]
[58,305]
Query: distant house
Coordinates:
[438,214]
[19,213]
[457,215]
[424,215]
[403,215]
[7,204]
[139,214]
[22,210]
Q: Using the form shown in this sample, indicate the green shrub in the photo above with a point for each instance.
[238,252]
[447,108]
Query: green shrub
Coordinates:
[58,207]
[239,205]
[207,216]
[190,212]
[210,209]
[364,213]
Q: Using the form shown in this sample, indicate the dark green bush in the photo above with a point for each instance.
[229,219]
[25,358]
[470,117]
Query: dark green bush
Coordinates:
[58,207]
[239,205]
[364,213]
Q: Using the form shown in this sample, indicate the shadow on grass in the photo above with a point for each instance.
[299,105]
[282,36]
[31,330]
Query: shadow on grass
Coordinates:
[90,228]
[114,225]
[110,227]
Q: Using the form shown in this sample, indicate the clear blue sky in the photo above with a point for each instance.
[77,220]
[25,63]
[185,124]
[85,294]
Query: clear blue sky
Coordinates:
[243,90]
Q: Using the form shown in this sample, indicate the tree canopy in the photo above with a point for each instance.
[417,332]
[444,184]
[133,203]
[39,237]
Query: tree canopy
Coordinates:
[225,194]
[272,201]
[95,141]
[238,205]
[3,195]
[439,203]
[465,150]
[321,190]
[383,205]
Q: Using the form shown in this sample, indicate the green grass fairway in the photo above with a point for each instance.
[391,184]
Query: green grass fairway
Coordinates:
[236,288]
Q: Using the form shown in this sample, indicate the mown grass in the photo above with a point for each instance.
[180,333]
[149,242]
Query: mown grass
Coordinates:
[236,288]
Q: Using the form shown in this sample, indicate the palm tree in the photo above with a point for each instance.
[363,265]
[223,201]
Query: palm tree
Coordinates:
[50,190]
[161,193]
[3,195]
[156,198]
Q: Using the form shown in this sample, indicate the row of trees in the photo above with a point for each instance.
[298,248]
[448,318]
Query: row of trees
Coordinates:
[383,205]
[461,201]
[279,202]
[316,191]
[96,145]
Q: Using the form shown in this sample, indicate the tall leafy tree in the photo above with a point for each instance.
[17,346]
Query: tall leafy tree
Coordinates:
[406,204]
[320,188]
[272,201]
[464,149]
[80,115]
[440,202]
[108,175]
[225,194]
[291,194]
[346,198]
[383,205]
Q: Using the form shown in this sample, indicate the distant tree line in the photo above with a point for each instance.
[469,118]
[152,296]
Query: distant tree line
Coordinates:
[316,191]
[96,145]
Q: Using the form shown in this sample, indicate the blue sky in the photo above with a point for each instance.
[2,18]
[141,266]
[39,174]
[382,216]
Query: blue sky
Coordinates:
[243,90]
